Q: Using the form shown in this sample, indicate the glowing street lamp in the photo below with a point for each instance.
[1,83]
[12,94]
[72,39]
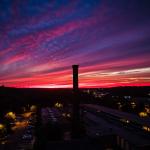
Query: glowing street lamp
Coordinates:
[2,126]
[143,114]
[10,115]
[2,129]
[58,105]
[33,108]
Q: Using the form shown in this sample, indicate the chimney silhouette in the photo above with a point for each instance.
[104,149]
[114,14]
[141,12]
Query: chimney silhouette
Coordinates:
[75,77]
[76,104]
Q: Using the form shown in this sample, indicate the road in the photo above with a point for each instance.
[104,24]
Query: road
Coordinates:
[98,123]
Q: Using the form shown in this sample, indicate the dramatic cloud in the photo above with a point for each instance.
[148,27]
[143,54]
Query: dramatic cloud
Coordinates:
[40,40]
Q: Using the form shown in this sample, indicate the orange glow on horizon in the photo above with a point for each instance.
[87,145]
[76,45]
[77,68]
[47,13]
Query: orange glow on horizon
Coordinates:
[81,86]
[88,78]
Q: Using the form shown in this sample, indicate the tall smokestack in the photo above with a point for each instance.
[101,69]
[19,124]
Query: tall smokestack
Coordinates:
[76,109]
[75,77]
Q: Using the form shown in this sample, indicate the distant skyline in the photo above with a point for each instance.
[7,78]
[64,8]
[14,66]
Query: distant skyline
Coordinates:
[40,40]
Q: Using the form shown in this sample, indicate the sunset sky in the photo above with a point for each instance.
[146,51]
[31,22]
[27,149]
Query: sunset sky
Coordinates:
[40,40]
